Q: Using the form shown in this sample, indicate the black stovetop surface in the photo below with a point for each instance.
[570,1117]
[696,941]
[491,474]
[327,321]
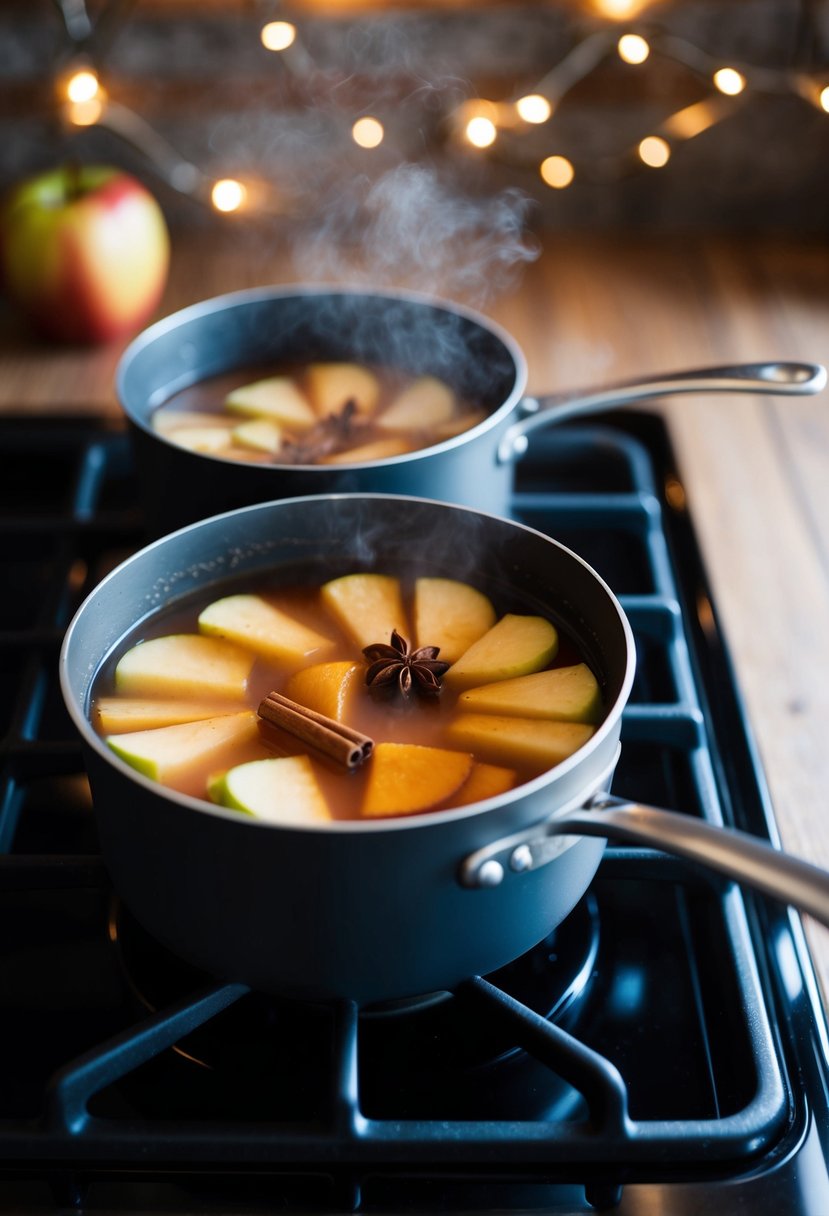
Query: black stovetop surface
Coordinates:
[663,1050]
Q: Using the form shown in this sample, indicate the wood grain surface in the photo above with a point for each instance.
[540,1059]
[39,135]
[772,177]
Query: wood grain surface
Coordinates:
[755,469]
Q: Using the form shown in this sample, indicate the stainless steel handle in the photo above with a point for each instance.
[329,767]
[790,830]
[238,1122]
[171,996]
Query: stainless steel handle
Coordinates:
[735,854]
[792,379]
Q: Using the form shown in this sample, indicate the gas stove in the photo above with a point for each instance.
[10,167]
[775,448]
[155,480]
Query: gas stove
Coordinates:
[664,1049]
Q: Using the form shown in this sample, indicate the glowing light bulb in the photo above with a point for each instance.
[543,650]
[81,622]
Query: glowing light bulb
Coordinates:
[277,35]
[618,10]
[534,108]
[367,132]
[557,171]
[85,113]
[633,48]
[82,86]
[481,132]
[228,194]
[729,81]
[654,152]
[823,99]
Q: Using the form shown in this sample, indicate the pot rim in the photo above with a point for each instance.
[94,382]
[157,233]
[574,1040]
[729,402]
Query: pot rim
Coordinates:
[348,826]
[253,295]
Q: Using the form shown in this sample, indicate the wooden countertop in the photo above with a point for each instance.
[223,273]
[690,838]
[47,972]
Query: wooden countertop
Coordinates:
[755,468]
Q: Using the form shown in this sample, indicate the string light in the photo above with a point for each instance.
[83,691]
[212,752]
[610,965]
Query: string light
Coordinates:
[633,48]
[729,81]
[476,122]
[228,195]
[82,86]
[654,151]
[533,108]
[278,35]
[368,132]
[557,171]
[481,131]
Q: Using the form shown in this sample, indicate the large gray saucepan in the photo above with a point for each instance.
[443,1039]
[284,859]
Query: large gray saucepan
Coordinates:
[416,334]
[384,909]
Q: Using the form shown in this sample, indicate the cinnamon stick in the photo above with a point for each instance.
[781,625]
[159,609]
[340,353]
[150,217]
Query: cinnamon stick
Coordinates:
[333,739]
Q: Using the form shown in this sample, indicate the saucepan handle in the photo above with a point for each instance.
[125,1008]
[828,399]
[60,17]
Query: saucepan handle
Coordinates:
[735,854]
[792,379]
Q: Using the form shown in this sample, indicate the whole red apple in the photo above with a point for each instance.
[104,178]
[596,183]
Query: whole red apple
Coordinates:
[85,252]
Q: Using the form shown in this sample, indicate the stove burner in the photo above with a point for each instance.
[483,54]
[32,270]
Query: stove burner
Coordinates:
[409,1051]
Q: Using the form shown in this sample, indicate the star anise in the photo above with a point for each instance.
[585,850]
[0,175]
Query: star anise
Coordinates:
[335,433]
[416,670]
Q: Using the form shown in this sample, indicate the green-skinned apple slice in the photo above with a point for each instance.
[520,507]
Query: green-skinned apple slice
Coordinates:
[367,607]
[253,622]
[518,741]
[112,715]
[515,646]
[426,402]
[451,615]
[277,398]
[258,434]
[184,665]
[281,789]
[327,688]
[564,694]
[169,753]
[331,385]
[406,778]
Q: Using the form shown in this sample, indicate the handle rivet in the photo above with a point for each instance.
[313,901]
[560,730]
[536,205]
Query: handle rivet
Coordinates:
[521,859]
[491,874]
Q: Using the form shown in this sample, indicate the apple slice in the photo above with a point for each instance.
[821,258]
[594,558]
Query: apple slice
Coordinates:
[518,741]
[405,778]
[485,781]
[205,439]
[564,694]
[366,606]
[252,621]
[515,646]
[115,714]
[450,615]
[184,665]
[281,789]
[260,434]
[170,753]
[166,419]
[277,398]
[328,688]
[461,422]
[378,449]
[331,385]
[424,403]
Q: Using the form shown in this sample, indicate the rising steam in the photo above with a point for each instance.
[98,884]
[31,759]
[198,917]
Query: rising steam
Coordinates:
[411,228]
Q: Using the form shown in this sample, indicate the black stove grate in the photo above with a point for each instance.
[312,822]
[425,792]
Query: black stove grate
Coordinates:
[691,1053]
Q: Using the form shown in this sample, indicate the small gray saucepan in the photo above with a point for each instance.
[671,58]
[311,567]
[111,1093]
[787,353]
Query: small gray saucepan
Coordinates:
[376,910]
[414,334]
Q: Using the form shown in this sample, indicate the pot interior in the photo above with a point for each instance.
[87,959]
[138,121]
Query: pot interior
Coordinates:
[310,540]
[261,328]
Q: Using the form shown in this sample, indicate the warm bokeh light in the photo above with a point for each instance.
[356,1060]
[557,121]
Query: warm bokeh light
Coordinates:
[619,10]
[693,120]
[557,171]
[481,132]
[534,108]
[85,113]
[633,48]
[823,98]
[367,132]
[654,152]
[729,81]
[228,195]
[82,86]
[278,35]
